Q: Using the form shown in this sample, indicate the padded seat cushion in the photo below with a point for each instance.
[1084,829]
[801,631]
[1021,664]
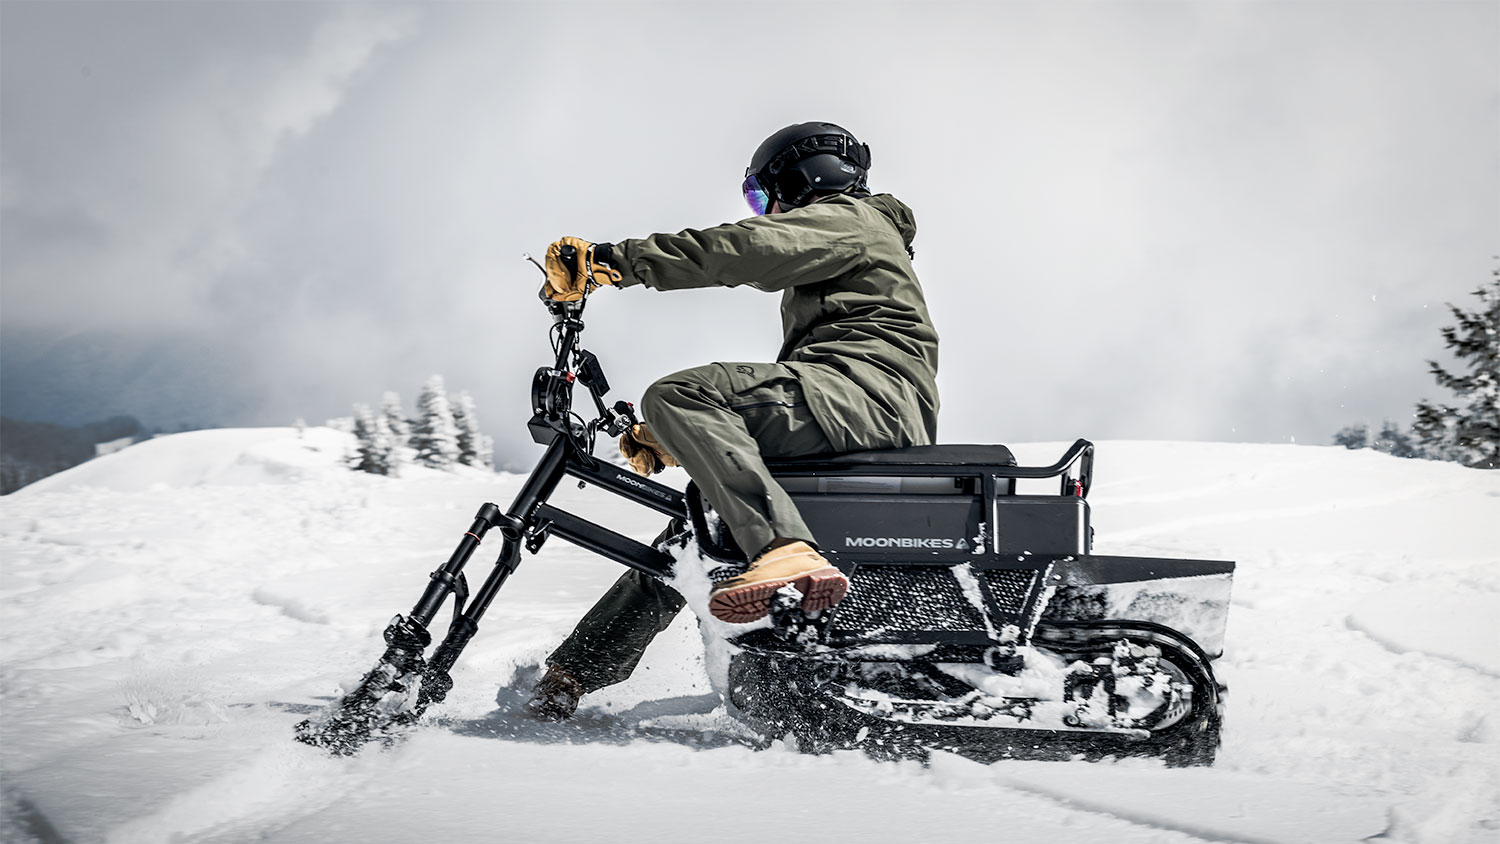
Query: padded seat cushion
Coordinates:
[922,455]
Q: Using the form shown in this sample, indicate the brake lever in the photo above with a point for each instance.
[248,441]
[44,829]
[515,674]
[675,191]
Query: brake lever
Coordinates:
[535,263]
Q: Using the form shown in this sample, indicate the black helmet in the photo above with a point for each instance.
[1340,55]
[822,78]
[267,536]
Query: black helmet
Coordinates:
[801,160]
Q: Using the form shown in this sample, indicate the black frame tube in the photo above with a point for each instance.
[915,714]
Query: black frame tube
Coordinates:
[538,487]
[648,493]
[605,542]
[529,513]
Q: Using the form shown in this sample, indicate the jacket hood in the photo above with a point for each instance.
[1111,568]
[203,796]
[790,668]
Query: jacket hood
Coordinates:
[900,215]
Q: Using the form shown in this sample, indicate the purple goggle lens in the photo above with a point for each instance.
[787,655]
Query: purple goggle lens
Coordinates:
[756,196]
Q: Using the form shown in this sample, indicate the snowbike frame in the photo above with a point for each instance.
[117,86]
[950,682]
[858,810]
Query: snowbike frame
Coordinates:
[949,566]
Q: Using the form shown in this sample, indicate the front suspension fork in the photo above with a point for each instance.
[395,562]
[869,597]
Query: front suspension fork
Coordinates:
[448,580]
[385,698]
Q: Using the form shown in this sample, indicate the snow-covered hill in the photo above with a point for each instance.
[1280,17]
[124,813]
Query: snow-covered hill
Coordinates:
[169,611]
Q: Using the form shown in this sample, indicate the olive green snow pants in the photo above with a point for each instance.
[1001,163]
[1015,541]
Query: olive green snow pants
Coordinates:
[720,421]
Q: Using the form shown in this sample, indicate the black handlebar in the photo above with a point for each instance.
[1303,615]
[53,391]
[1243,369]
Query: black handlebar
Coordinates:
[562,311]
[552,387]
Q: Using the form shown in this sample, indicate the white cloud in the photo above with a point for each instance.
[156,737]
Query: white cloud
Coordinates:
[293,98]
[162,178]
[1158,220]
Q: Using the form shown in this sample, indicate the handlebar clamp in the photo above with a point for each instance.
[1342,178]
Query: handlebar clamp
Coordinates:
[621,418]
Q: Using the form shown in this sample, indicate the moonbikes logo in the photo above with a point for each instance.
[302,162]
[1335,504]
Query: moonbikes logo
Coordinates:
[640,485]
[912,542]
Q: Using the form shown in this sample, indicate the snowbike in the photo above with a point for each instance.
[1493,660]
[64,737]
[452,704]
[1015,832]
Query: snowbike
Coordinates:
[977,621]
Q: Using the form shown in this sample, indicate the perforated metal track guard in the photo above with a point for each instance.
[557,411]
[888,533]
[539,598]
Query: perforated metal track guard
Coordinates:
[886,599]
[1011,588]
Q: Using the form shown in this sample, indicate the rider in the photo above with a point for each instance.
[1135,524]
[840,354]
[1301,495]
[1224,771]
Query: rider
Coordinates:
[857,371]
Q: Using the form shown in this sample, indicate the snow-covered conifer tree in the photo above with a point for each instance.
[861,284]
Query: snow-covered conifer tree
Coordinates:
[1468,431]
[1395,442]
[1353,436]
[375,447]
[435,436]
[486,451]
[395,416]
[472,447]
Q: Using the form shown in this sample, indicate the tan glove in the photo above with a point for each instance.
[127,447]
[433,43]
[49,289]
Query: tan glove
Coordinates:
[569,281]
[646,455]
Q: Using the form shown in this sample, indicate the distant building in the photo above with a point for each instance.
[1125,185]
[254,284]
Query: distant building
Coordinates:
[112,446]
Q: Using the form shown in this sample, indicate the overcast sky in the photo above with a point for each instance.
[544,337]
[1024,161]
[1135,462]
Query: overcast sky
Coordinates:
[1217,221]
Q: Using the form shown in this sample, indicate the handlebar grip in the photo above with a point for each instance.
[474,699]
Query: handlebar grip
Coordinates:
[569,256]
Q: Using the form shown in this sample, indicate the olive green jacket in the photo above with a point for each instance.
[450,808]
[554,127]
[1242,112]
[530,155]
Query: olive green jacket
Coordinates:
[857,332]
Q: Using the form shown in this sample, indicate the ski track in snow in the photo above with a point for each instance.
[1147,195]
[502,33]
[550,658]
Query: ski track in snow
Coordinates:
[1415,619]
[245,801]
[1227,807]
[171,610]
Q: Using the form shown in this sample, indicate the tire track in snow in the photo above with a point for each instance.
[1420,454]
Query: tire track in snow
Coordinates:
[270,790]
[1228,806]
[1406,620]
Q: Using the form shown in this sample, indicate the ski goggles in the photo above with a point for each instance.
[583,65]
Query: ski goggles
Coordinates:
[758,198]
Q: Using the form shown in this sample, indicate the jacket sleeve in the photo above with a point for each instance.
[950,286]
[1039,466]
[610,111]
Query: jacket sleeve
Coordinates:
[771,253]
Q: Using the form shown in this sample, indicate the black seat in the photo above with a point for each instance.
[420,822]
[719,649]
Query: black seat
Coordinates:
[922,455]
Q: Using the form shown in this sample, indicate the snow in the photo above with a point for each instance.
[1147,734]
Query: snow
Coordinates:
[1194,606]
[169,611]
[969,585]
[1224,807]
[217,457]
[1420,619]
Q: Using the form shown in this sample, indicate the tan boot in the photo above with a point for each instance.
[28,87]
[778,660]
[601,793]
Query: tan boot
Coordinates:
[555,697]
[748,597]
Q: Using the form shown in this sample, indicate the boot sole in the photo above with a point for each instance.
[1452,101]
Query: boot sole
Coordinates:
[820,588]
